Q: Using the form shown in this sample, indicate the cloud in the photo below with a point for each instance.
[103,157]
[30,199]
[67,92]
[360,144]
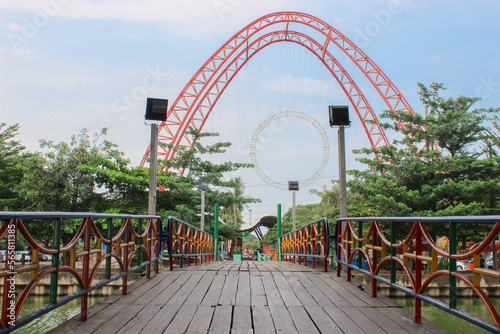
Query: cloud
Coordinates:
[64,82]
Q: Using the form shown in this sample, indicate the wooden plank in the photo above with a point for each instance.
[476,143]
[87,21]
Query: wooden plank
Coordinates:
[243,292]
[323,322]
[282,319]
[287,293]
[187,288]
[121,319]
[362,297]
[360,319]
[302,321]
[315,292]
[242,319]
[388,324]
[148,291]
[213,294]
[335,295]
[272,292]
[160,321]
[181,320]
[201,289]
[140,320]
[221,321]
[167,293]
[343,321]
[201,320]
[262,320]
[228,294]
[97,321]
[257,293]
[300,291]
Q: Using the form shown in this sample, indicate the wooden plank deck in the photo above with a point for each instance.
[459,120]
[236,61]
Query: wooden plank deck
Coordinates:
[246,297]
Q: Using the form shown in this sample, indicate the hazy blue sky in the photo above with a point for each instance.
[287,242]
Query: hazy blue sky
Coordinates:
[66,65]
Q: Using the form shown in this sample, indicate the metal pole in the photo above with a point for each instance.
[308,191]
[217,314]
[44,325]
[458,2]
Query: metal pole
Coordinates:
[202,224]
[153,169]
[279,232]
[216,232]
[342,175]
[293,211]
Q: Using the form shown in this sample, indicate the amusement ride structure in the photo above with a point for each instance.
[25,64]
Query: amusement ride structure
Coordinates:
[195,103]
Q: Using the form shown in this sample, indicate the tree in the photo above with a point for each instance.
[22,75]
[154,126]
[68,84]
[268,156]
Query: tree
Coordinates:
[412,178]
[11,157]
[57,181]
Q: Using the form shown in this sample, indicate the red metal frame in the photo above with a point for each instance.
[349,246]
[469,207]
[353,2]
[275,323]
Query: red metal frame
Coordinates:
[376,242]
[311,240]
[197,99]
[186,240]
[123,253]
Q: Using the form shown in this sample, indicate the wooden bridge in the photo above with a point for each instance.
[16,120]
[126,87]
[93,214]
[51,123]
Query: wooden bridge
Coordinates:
[246,297]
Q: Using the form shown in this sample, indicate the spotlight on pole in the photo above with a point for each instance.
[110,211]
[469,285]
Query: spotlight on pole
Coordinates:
[339,116]
[156,110]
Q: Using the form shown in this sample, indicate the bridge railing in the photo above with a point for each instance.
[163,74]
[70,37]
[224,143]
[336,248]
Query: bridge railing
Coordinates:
[308,241]
[95,237]
[398,244]
[185,241]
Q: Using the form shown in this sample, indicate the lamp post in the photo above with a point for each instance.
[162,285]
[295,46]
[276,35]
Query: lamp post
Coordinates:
[202,185]
[156,110]
[339,116]
[293,186]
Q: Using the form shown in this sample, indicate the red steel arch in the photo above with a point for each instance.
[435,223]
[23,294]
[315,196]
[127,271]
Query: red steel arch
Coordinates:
[193,106]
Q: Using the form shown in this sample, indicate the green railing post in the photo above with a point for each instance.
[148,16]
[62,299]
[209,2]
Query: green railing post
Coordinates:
[393,251]
[54,277]
[109,247]
[453,265]
[216,232]
[360,244]
[138,241]
[279,232]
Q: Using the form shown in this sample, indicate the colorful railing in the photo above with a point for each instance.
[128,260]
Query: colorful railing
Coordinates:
[114,247]
[380,244]
[309,241]
[184,241]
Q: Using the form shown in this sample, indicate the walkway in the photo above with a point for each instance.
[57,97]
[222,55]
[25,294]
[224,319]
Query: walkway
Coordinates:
[246,297]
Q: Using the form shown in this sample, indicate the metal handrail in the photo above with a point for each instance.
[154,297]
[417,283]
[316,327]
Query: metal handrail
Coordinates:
[128,240]
[310,240]
[368,242]
[188,241]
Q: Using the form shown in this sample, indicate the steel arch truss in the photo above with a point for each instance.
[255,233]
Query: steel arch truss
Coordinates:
[198,98]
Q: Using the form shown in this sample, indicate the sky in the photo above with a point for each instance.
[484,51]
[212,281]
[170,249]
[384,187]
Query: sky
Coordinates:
[66,65]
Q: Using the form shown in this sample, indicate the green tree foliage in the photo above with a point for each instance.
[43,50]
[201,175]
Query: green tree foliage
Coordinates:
[443,164]
[56,181]
[413,178]
[11,157]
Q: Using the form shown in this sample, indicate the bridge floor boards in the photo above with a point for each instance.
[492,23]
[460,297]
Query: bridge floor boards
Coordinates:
[246,297]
